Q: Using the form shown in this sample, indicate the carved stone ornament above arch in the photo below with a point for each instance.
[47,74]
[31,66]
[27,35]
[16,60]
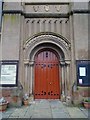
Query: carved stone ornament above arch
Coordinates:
[35,8]
[58,8]
[46,7]
[50,38]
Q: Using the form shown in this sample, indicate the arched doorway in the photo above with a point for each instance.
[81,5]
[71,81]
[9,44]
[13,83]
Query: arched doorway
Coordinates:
[47,82]
[60,47]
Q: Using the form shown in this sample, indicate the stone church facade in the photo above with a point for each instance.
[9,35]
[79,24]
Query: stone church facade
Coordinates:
[48,42]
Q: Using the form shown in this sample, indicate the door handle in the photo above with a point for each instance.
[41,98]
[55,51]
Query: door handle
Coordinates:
[50,83]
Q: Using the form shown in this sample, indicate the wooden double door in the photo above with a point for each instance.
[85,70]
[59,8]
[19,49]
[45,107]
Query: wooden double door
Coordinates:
[47,84]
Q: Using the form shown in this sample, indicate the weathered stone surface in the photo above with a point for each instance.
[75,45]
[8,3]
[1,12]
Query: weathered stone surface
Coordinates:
[80,94]
[13,95]
[23,36]
[56,109]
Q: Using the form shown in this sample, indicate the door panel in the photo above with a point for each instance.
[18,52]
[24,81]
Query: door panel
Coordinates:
[46,76]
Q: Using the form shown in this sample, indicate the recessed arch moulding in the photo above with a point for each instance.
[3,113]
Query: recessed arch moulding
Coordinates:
[56,43]
[53,41]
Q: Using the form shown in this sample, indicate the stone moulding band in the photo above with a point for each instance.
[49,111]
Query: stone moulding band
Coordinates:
[43,15]
[36,15]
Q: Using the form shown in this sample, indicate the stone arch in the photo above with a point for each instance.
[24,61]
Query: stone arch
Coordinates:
[50,38]
[49,46]
[47,40]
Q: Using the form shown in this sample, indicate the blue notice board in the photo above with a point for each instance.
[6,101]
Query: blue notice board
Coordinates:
[83,73]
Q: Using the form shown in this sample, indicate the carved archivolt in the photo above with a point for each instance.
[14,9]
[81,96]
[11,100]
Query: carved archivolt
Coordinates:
[46,37]
[32,43]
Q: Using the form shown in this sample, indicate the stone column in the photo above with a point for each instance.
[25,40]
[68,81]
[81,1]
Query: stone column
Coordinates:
[68,83]
[63,81]
[31,64]
[73,66]
[26,63]
[65,74]
[68,78]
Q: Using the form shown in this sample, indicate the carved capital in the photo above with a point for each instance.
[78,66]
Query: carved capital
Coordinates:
[67,62]
[26,61]
[31,63]
[62,63]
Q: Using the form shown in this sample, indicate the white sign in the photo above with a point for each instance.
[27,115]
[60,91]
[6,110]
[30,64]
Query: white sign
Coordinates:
[80,81]
[8,74]
[82,71]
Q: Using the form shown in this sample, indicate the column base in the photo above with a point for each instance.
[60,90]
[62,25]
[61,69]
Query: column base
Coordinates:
[63,98]
[31,98]
[68,101]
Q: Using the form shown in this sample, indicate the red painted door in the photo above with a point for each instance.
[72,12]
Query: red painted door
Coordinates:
[46,85]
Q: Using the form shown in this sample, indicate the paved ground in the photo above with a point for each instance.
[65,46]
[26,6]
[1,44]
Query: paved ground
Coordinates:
[46,109]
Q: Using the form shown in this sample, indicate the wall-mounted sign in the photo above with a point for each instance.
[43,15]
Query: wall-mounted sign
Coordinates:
[83,73]
[80,81]
[9,73]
